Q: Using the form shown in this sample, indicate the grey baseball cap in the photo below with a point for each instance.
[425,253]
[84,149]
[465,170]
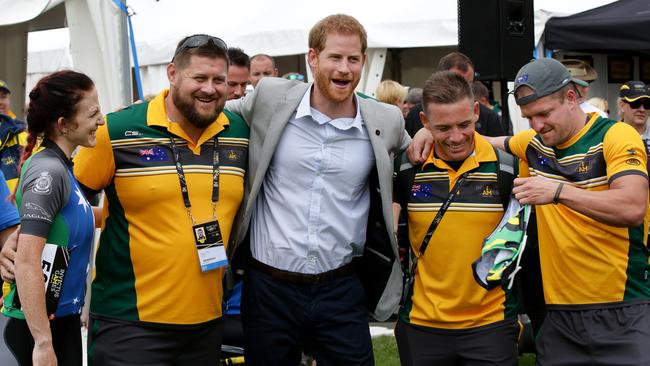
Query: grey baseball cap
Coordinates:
[544,76]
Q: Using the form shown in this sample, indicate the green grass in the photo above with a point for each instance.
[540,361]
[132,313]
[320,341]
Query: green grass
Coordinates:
[385,350]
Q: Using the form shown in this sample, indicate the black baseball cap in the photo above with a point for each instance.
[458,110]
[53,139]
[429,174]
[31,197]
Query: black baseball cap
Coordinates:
[633,90]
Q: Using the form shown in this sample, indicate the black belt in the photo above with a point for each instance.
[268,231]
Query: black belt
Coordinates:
[301,278]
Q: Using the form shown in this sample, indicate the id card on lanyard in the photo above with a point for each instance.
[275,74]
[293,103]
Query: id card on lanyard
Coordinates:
[207,235]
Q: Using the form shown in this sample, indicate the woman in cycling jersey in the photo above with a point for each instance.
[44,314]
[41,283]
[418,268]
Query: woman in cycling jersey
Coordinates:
[57,224]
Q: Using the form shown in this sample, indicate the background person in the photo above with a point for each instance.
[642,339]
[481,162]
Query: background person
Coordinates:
[599,103]
[488,124]
[413,98]
[583,75]
[57,224]
[238,72]
[391,92]
[634,106]
[12,138]
[262,66]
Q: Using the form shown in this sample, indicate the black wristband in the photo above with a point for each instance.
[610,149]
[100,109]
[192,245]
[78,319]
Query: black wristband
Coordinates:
[556,199]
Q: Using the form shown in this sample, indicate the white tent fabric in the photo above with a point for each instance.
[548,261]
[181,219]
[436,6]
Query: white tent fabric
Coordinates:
[280,27]
[99,47]
[14,12]
[99,40]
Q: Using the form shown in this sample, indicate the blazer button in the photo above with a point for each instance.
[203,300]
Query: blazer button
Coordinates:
[377,132]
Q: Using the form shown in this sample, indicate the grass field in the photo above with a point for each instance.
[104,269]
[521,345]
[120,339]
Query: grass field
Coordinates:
[385,350]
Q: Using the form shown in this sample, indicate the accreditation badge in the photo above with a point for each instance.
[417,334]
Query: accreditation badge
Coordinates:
[209,243]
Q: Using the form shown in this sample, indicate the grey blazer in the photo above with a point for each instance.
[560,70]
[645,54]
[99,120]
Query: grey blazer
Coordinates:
[268,110]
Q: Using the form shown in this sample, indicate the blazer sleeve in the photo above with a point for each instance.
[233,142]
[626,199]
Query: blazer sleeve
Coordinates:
[404,137]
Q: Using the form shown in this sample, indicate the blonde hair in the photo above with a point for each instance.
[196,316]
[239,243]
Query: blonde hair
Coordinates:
[599,103]
[391,92]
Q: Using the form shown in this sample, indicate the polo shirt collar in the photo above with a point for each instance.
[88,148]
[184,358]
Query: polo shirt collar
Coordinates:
[305,109]
[157,116]
[483,152]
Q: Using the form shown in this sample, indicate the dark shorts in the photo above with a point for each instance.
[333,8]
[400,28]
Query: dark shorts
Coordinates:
[494,344]
[118,343]
[611,336]
[66,339]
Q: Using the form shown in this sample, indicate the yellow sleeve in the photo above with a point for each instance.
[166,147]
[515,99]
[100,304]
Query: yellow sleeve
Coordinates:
[94,167]
[624,152]
[22,138]
[517,144]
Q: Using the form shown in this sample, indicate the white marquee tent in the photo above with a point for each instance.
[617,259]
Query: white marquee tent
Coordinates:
[95,40]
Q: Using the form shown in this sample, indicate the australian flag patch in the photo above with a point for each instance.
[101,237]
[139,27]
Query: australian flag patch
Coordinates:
[421,190]
[153,154]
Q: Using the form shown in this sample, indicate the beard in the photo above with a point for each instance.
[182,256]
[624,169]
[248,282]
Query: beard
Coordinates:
[322,81]
[186,107]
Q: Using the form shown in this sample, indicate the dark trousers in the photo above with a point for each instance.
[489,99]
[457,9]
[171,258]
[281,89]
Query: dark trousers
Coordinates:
[492,345]
[66,339]
[116,343]
[281,318]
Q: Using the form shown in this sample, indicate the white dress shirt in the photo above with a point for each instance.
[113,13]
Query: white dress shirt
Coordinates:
[311,213]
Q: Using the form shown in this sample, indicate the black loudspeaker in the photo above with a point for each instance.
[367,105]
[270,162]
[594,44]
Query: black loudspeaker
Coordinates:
[497,35]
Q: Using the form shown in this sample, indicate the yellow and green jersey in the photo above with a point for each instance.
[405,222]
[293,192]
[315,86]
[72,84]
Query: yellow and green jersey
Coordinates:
[583,261]
[147,265]
[12,139]
[445,294]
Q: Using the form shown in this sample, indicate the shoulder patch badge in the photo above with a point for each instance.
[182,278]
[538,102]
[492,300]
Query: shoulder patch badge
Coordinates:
[43,184]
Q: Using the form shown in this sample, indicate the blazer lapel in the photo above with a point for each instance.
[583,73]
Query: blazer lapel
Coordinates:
[279,119]
[375,129]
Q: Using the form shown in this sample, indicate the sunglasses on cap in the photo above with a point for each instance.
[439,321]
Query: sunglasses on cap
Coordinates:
[200,40]
[299,77]
[645,102]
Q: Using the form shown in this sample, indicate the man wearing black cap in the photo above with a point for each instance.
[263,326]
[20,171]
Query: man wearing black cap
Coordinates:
[12,137]
[634,106]
[588,181]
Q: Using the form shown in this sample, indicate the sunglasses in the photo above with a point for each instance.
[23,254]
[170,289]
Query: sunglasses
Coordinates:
[200,40]
[299,77]
[645,102]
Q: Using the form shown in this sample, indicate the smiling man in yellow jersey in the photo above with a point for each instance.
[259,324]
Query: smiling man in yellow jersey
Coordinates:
[448,318]
[173,172]
[589,184]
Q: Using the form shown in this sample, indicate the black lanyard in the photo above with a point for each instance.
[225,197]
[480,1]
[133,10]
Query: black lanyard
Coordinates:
[183,181]
[436,221]
[410,275]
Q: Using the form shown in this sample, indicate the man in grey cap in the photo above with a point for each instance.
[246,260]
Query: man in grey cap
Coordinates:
[583,75]
[587,177]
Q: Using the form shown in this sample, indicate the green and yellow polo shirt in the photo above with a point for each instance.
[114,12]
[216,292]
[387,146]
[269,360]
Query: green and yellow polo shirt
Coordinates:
[445,294]
[147,265]
[583,261]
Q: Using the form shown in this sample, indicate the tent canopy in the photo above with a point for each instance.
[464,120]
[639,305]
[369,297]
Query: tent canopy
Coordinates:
[619,26]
